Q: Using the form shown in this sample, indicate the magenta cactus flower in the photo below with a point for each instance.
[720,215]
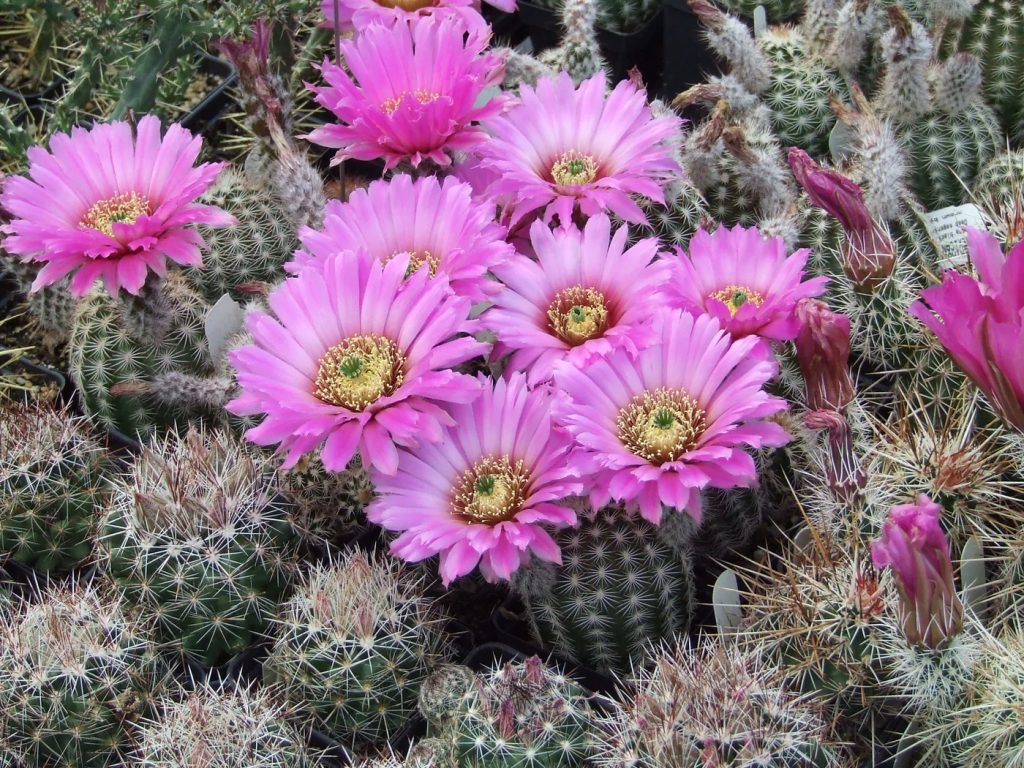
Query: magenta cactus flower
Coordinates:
[868,252]
[356,359]
[108,207]
[565,149]
[584,296]
[486,493]
[981,322]
[745,280]
[676,418]
[359,14]
[412,94]
[436,223]
[914,545]
[823,352]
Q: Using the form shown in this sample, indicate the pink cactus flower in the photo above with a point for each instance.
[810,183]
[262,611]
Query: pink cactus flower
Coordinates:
[565,149]
[103,205]
[914,545]
[412,94]
[359,14]
[436,223]
[745,280]
[356,359]
[584,296]
[867,250]
[981,322]
[659,427]
[823,352]
[486,492]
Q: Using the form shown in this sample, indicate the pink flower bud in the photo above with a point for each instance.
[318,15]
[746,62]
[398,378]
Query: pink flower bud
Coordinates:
[823,351]
[914,545]
[868,251]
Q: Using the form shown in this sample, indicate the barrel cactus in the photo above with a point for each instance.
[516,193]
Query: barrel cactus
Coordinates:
[198,535]
[52,484]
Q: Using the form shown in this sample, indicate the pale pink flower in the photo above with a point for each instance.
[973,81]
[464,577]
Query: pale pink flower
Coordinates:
[356,359]
[437,224]
[745,280]
[584,296]
[565,149]
[106,206]
[677,418]
[412,94]
[487,492]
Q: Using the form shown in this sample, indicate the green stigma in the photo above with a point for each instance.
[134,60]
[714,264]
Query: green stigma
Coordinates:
[484,485]
[351,367]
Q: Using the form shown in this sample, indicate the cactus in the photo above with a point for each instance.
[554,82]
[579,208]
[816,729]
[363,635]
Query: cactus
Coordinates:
[354,644]
[999,192]
[198,535]
[994,33]
[715,705]
[777,10]
[620,16]
[52,485]
[328,505]
[730,520]
[621,586]
[685,210]
[520,714]
[75,671]
[220,728]
[52,308]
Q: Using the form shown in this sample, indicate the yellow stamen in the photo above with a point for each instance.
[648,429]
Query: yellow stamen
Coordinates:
[574,168]
[661,425]
[735,296]
[578,314]
[492,491]
[407,5]
[417,259]
[422,95]
[359,371]
[124,208]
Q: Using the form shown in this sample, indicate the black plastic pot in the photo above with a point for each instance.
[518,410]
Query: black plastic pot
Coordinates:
[208,112]
[64,389]
[399,743]
[29,583]
[244,667]
[686,59]
[622,52]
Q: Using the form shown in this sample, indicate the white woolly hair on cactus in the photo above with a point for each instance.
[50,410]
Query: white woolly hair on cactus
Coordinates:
[907,50]
[731,39]
[855,23]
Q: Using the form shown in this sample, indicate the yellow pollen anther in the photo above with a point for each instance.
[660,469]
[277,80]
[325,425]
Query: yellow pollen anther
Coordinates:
[407,5]
[124,208]
[574,168]
[661,425]
[578,314]
[492,491]
[735,296]
[416,260]
[422,95]
[359,371]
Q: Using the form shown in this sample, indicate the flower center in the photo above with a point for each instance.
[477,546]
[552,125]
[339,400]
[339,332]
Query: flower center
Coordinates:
[735,296]
[492,491]
[574,168]
[578,314]
[422,95]
[416,260]
[407,5]
[661,425]
[359,371]
[124,208]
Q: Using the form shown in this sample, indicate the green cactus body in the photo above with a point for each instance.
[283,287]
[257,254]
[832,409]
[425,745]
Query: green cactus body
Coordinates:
[1000,184]
[521,715]
[730,519]
[948,151]
[199,537]
[995,34]
[329,506]
[800,93]
[776,10]
[75,672]
[675,222]
[105,353]
[354,644]
[51,486]
[251,251]
[621,16]
[620,586]
[220,728]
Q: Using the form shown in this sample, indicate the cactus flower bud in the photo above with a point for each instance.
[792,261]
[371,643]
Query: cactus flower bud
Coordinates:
[867,250]
[914,545]
[823,351]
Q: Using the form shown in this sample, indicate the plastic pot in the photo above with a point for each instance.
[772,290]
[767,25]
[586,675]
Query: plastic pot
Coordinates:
[208,112]
[686,59]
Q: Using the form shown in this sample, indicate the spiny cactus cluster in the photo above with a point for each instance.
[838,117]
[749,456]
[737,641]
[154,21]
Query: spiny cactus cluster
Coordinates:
[353,646]
[198,536]
[52,486]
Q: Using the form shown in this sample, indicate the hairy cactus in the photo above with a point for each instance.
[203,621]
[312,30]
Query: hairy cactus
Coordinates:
[76,670]
[579,53]
[730,520]
[621,16]
[621,586]
[715,705]
[354,645]
[520,714]
[777,10]
[52,487]
[198,535]
[216,727]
